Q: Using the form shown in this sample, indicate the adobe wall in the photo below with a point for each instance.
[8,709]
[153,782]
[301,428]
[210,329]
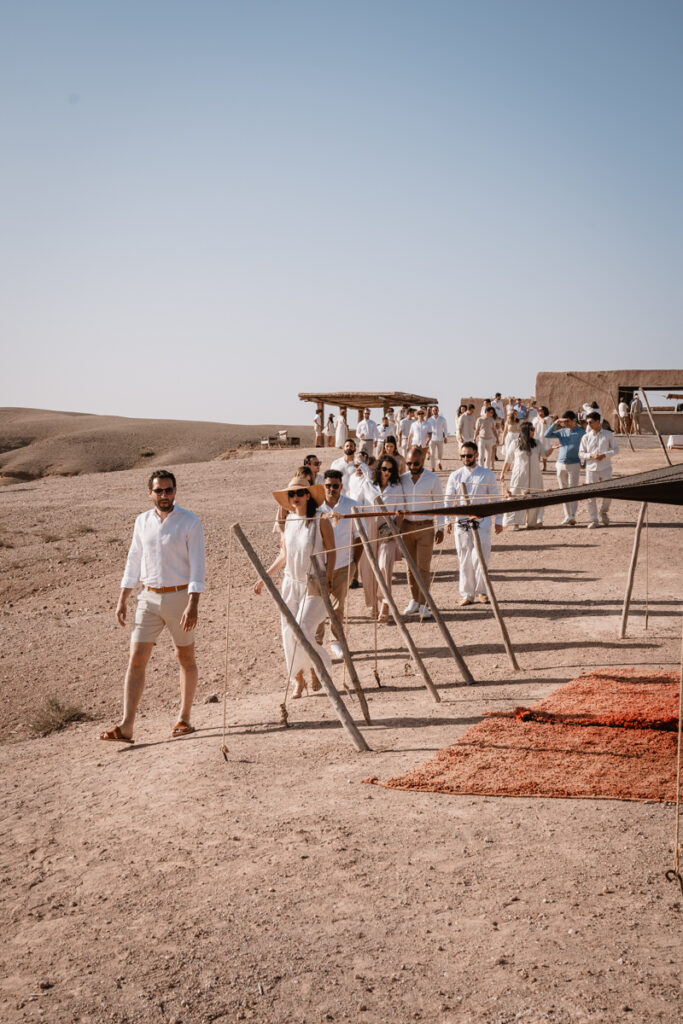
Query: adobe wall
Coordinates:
[569,390]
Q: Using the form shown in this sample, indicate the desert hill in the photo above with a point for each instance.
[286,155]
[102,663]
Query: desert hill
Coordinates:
[42,442]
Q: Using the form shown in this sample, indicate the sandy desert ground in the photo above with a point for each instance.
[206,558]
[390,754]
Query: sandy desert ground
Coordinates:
[160,883]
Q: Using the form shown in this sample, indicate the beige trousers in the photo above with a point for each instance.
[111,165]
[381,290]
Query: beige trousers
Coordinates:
[419,539]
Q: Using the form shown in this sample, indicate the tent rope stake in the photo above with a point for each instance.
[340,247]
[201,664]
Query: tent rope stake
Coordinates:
[224,746]
[674,874]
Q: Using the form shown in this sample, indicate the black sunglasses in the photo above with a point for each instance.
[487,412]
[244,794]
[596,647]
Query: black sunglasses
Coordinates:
[417,463]
[469,455]
[332,486]
[301,493]
[163,490]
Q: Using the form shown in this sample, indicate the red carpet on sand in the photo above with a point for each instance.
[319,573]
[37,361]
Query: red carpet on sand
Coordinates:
[608,735]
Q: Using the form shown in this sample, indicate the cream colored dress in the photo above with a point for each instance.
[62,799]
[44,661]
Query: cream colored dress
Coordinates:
[526,476]
[301,539]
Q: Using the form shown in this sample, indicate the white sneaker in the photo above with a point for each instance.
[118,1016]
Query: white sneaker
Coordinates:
[425,612]
[336,651]
[593,525]
[411,608]
[604,518]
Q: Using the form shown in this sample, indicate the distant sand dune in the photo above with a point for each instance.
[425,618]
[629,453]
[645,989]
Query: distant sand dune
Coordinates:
[41,442]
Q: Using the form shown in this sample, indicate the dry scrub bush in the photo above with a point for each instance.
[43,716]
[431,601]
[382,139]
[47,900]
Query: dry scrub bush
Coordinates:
[52,715]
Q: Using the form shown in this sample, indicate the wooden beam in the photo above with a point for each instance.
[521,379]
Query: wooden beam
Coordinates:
[654,427]
[338,704]
[398,618]
[428,599]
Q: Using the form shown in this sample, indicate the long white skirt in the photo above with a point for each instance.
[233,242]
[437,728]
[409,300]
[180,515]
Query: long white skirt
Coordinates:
[309,611]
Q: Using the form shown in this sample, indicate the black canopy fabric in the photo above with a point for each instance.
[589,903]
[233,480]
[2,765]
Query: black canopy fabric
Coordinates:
[660,486]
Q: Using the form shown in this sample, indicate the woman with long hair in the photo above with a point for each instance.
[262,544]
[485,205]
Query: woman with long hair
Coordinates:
[524,455]
[305,533]
[385,484]
[510,432]
[390,448]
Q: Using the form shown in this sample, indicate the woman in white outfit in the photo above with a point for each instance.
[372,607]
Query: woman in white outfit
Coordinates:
[525,458]
[330,431]
[305,533]
[342,431]
[510,433]
[542,423]
[386,485]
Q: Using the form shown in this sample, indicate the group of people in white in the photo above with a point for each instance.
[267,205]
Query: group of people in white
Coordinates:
[383,470]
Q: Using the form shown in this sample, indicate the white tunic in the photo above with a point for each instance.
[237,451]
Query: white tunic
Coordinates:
[341,434]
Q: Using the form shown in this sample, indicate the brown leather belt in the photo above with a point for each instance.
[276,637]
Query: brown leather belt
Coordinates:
[166,590]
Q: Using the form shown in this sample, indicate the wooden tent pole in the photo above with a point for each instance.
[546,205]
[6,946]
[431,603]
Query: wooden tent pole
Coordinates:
[428,599]
[632,571]
[348,723]
[652,421]
[398,618]
[489,588]
[336,622]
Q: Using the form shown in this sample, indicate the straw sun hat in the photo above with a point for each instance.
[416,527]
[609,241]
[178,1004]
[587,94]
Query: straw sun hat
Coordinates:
[316,491]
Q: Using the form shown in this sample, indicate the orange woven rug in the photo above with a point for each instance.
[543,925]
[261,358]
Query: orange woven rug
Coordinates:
[608,735]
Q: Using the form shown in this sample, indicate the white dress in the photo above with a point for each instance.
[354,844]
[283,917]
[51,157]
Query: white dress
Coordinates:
[341,433]
[302,538]
[526,476]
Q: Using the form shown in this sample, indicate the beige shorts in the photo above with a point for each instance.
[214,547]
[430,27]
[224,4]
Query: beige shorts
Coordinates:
[154,611]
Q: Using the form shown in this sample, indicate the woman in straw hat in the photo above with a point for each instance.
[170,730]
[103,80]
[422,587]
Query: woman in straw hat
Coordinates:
[305,533]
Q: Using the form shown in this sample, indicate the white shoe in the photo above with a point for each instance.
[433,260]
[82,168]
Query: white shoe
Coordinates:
[336,651]
[593,525]
[604,518]
[425,612]
[411,608]
[565,520]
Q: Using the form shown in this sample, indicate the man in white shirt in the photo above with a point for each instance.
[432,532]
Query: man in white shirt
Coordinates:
[466,423]
[346,463]
[421,530]
[635,410]
[318,429]
[595,453]
[405,428]
[624,417]
[384,430]
[348,552]
[366,433]
[439,438]
[497,404]
[420,433]
[479,482]
[167,556]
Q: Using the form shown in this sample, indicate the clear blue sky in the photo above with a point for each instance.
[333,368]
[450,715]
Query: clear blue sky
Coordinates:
[210,206]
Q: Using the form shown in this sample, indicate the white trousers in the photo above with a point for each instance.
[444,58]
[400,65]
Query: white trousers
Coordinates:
[435,453]
[310,612]
[598,471]
[568,476]
[471,576]
[487,450]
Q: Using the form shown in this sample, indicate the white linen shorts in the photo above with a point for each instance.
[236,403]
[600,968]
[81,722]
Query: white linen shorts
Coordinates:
[156,611]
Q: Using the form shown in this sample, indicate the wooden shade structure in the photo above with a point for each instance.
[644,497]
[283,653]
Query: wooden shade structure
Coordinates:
[360,400]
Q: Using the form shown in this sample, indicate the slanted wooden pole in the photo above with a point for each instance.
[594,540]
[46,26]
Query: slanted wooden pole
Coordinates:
[489,588]
[429,600]
[654,427]
[338,704]
[632,571]
[336,622]
[381,582]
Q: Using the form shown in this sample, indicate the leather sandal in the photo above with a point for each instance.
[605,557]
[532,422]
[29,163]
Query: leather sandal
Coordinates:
[182,729]
[115,735]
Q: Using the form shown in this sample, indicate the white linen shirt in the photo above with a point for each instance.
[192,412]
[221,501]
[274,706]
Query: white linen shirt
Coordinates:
[438,427]
[479,481]
[593,443]
[347,469]
[166,552]
[418,495]
[344,529]
[366,431]
[419,433]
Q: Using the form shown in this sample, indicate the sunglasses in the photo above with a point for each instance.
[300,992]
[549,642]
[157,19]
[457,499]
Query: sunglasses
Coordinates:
[386,469]
[332,487]
[418,463]
[470,455]
[301,493]
[163,490]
